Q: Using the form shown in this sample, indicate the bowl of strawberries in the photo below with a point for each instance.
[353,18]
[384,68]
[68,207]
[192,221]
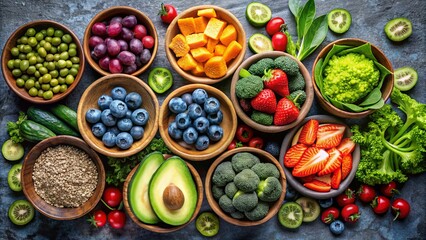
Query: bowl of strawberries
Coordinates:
[319,158]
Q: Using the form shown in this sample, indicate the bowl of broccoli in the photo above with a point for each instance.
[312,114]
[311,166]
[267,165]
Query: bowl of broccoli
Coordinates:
[272,91]
[245,186]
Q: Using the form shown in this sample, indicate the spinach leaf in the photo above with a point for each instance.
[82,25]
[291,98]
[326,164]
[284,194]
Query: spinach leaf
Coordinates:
[313,37]
[305,20]
[373,97]
[296,7]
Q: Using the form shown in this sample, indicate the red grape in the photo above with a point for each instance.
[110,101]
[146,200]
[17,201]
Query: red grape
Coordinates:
[99,29]
[113,47]
[136,46]
[140,31]
[104,63]
[115,66]
[129,21]
[114,29]
[126,58]
[95,40]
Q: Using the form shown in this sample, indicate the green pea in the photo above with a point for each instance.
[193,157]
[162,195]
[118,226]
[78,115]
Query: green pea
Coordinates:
[29,84]
[75,60]
[37,74]
[32,60]
[32,41]
[14,51]
[23,65]
[16,63]
[22,56]
[64,72]
[45,86]
[69,79]
[40,93]
[20,82]
[37,85]
[30,54]
[25,77]
[54,82]
[57,57]
[54,73]
[16,72]
[56,89]
[40,59]
[33,92]
[20,48]
[49,57]
[65,56]
[56,41]
[10,64]
[31,70]
[58,33]
[38,65]
[62,63]
[61,80]
[64,88]
[30,32]
[24,40]
[48,95]
[51,66]
[44,32]
[42,52]
[46,78]
[63,47]
[47,46]
[27,49]
[50,31]
[69,63]
[73,46]
[48,39]
[67,38]
[72,52]
[42,42]
[54,50]
[39,36]
[73,72]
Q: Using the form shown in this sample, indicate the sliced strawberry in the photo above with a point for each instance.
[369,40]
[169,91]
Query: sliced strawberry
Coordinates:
[346,165]
[318,186]
[336,178]
[329,135]
[312,161]
[346,146]
[309,178]
[334,162]
[324,178]
[308,135]
[293,155]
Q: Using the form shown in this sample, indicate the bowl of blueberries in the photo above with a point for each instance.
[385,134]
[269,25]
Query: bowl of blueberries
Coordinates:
[197,122]
[118,115]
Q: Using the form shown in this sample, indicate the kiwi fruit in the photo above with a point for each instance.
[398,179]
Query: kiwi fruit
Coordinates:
[405,78]
[290,215]
[398,29]
[339,20]
[207,224]
[21,212]
[311,208]
[14,177]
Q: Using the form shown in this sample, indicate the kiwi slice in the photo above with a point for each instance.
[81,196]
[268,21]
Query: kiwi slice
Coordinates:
[21,212]
[207,224]
[290,215]
[14,177]
[339,20]
[398,29]
[311,208]
[405,78]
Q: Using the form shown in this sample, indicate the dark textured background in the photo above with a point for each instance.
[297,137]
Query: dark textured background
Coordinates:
[369,18]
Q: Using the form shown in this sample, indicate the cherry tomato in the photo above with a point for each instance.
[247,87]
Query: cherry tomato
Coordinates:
[116,219]
[256,142]
[244,133]
[279,41]
[234,144]
[112,196]
[98,219]
[148,42]
[350,213]
[167,13]
[346,198]
[389,189]
[329,215]
[139,31]
[400,208]
[274,25]
[380,204]
[366,193]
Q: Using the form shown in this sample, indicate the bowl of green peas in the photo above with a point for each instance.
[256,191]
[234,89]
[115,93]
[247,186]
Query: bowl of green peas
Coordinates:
[42,61]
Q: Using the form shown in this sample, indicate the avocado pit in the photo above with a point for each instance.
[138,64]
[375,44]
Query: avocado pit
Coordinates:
[173,197]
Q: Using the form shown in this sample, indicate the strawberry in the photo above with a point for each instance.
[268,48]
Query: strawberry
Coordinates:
[286,112]
[310,178]
[346,146]
[293,155]
[308,135]
[346,165]
[334,162]
[336,178]
[312,161]
[276,80]
[265,101]
[318,186]
[329,135]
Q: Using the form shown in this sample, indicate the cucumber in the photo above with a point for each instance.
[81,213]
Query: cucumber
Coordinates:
[34,132]
[50,121]
[66,114]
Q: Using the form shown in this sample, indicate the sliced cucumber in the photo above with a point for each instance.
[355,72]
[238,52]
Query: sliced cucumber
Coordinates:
[260,43]
[14,178]
[311,208]
[339,20]
[207,224]
[12,151]
[290,215]
[258,14]
[398,29]
[405,78]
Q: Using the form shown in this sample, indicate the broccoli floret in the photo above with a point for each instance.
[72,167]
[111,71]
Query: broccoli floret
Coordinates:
[223,174]
[248,87]
[243,160]
[262,118]
[296,82]
[226,204]
[245,201]
[269,190]
[298,97]
[288,65]
[259,212]
[246,180]
[217,191]
[260,66]
[231,189]
[237,215]
[265,170]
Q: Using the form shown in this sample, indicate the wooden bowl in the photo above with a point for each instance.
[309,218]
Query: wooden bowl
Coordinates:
[264,157]
[295,183]
[106,15]
[104,85]
[6,56]
[246,118]
[229,125]
[41,205]
[386,87]
[162,227]
[222,13]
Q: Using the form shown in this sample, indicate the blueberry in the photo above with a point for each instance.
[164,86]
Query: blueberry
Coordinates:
[140,117]
[202,143]
[174,131]
[109,139]
[199,96]
[98,129]
[114,130]
[273,148]
[124,140]
[215,118]
[201,124]
[133,100]
[187,98]
[326,203]
[337,227]
[137,132]
[291,194]
[177,105]
[93,115]
[183,121]
[118,108]
[195,111]
[107,118]
[215,133]
[128,114]
[118,93]
[190,135]
[104,101]
[211,105]
[124,124]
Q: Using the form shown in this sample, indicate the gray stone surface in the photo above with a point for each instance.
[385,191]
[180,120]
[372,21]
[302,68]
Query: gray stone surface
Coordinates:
[369,18]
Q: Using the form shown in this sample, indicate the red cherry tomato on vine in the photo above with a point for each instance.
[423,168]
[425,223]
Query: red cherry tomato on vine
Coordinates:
[167,13]
[400,208]
[279,41]
[346,198]
[329,215]
[234,144]
[116,219]
[244,133]
[274,25]
[389,189]
[380,204]
[112,196]
[256,142]
[366,193]
[98,219]
[350,213]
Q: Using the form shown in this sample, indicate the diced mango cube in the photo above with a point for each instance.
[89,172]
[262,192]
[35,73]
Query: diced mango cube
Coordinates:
[214,28]
[200,24]
[198,70]
[187,62]
[228,35]
[196,40]
[179,45]
[232,51]
[186,25]
[201,54]
[208,12]
[219,50]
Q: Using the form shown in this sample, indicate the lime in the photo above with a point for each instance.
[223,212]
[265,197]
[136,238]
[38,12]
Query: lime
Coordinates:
[12,151]
[258,14]
[207,224]
[160,79]
[260,43]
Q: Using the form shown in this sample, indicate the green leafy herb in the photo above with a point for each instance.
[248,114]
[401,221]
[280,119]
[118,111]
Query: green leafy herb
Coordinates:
[13,128]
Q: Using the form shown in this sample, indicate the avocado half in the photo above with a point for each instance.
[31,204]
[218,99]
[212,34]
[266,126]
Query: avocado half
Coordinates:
[172,192]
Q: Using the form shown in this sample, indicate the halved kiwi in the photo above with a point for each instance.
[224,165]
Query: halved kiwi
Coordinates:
[207,224]
[12,151]
[290,215]
[21,212]
[405,78]
[311,208]
[339,20]
[398,29]
[14,177]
